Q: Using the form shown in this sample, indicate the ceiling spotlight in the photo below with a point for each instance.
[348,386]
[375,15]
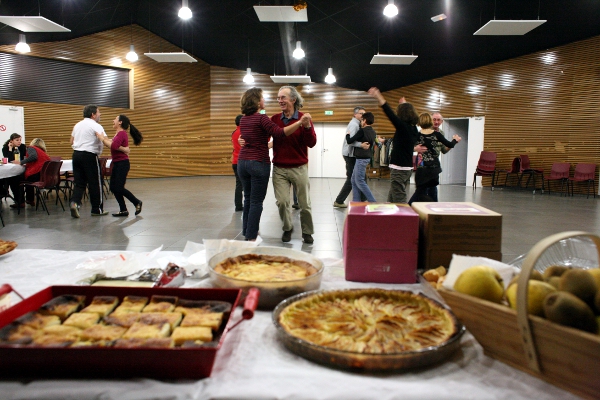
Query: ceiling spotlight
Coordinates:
[132,55]
[22,46]
[298,53]
[248,78]
[184,11]
[330,78]
[438,17]
[390,10]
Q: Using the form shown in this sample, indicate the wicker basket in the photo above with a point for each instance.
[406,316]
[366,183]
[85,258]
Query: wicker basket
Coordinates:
[563,356]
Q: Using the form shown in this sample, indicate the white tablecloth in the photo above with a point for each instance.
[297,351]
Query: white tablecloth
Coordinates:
[8,170]
[252,364]
[67,165]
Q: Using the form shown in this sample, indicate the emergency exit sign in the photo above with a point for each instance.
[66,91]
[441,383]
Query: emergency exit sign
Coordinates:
[328,112]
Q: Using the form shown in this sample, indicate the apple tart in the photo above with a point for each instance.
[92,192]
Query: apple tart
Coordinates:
[265,268]
[369,321]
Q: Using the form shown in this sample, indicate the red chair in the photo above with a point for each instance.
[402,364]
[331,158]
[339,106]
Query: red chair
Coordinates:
[106,173]
[530,172]
[515,168]
[585,173]
[49,181]
[560,172]
[486,166]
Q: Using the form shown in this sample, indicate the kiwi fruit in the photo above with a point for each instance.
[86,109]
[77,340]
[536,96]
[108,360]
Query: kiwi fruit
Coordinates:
[535,275]
[567,309]
[555,270]
[554,281]
[597,302]
[580,283]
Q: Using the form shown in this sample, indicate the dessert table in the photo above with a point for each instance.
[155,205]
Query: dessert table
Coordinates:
[253,364]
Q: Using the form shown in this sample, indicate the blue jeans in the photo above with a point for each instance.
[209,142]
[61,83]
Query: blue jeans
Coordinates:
[255,180]
[359,181]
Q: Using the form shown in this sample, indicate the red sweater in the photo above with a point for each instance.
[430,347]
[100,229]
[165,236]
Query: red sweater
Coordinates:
[236,145]
[33,167]
[256,129]
[292,151]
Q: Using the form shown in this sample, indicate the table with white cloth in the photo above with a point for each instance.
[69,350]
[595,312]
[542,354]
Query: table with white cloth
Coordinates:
[253,364]
[10,170]
[67,165]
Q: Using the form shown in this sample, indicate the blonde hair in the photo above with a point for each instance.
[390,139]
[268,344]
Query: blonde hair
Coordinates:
[425,121]
[37,142]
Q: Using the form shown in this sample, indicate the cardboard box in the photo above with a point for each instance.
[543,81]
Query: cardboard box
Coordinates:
[381,243]
[461,228]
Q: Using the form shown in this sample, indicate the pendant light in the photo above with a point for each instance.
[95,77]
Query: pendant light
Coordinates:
[132,55]
[248,78]
[298,53]
[390,10]
[330,78]
[22,46]
[184,11]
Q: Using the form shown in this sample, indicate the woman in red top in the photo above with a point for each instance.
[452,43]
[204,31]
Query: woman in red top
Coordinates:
[119,150]
[254,165]
[36,157]
[239,205]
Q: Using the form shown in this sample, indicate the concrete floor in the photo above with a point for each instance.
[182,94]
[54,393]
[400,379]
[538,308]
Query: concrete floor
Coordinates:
[177,210]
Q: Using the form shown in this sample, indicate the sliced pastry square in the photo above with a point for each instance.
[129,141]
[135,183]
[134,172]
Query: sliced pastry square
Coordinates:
[102,305]
[161,304]
[172,318]
[163,343]
[63,306]
[202,306]
[211,320]
[102,333]
[193,333]
[125,319]
[37,320]
[145,331]
[132,304]
[57,336]
[82,320]
[16,333]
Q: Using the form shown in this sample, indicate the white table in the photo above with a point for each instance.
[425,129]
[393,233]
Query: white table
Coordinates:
[67,165]
[9,170]
[253,364]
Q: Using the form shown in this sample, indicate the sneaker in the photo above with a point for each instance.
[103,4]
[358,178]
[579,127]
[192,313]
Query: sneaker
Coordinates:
[339,205]
[296,206]
[74,210]
[99,213]
[121,214]
[138,208]
[308,239]
[287,236]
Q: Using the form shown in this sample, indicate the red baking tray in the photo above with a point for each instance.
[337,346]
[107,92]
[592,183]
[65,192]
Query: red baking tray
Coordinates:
[98,362]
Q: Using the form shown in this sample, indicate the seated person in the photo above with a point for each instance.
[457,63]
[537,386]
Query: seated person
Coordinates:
[36,157]
[12,145]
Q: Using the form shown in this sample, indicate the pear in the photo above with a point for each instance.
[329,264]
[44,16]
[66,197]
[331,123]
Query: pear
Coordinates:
[535,275]
[481,281]
[536,293]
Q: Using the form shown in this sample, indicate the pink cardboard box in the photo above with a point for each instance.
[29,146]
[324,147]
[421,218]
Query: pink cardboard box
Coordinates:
[381,242]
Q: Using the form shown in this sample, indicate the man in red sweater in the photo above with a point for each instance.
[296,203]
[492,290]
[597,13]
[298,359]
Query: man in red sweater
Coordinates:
[290,164]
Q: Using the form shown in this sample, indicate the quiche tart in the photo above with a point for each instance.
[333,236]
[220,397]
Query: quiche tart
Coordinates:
[265,268]
[365,322]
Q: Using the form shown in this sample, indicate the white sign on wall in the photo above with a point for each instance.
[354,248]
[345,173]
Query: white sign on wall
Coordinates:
[12,120]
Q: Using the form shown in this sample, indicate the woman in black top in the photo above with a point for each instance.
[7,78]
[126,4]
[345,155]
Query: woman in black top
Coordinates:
[404,120]
[8,151]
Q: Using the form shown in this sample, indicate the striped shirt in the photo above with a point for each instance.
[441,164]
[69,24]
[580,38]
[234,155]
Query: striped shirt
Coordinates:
[256,130]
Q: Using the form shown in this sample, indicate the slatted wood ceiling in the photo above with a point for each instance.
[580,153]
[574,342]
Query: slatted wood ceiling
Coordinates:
[544,104]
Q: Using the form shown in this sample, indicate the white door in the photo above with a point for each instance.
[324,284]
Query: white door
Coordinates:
[12,120]
[333,165]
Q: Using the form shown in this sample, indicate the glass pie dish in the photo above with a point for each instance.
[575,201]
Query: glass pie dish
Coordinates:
[362,361]
[271,293]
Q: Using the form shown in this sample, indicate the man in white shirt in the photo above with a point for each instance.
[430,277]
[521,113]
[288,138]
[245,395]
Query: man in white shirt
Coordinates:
[86,168]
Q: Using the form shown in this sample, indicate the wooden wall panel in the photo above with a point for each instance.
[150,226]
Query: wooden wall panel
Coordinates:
[543,104]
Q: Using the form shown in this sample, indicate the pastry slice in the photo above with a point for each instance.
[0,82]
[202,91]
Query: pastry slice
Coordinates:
[202,306]
[102,305]
[161,304]
[132,304]
[139,342]
[37,320]
[63,306]
[16,333]
[145,331]
[82,320]
[57,336]
[102,333]
[172,318]
[125,319]
[193,333]
[211,320]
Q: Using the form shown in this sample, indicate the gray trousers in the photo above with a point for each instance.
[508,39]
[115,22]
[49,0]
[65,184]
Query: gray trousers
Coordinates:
[399,182]
[297,177]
